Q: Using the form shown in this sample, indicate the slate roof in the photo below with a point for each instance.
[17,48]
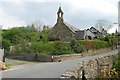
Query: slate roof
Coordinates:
[72,28]
[98,33]
[79,34]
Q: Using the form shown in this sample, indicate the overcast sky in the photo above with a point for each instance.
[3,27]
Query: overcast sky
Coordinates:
[79,13]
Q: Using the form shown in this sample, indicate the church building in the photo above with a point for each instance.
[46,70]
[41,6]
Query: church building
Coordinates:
[64,31]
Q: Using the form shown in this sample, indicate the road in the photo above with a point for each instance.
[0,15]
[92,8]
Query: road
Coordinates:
[48,69]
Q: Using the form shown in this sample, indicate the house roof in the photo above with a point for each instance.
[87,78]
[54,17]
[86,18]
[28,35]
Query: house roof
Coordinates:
[95,29]
[98,32]
[72,28]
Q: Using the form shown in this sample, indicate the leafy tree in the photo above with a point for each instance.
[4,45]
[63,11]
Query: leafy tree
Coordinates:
[46,29]
[41,48]
[6,44]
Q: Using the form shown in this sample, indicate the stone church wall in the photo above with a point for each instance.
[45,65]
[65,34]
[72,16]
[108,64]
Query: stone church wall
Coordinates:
[62,32]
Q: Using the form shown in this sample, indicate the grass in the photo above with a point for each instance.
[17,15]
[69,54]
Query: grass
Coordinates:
[8,65]
[13,64]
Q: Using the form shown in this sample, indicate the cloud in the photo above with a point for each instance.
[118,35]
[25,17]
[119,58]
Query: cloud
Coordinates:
[79,13]
[104,6]
[9,21]
[113,29]
[17,1]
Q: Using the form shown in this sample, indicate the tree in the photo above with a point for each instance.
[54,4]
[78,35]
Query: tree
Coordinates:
[103,24]
[38,24]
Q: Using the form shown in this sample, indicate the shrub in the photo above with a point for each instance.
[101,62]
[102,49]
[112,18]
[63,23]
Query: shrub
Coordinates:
[101,44]
[88,44]
[89,37]
[41,48]
[94,44]
[53,38]
[117,64]
[113,73]
[113,41]
[76,46]
[44,37]
[61,48]
[96,37]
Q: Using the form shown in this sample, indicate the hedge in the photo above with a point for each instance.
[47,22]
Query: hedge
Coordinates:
[94,44]
[101,44]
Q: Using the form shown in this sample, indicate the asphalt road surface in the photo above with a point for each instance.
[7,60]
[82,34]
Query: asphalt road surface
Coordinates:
[48,69]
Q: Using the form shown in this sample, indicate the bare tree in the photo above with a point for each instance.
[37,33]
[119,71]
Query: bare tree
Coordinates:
[38,24]
[103,24]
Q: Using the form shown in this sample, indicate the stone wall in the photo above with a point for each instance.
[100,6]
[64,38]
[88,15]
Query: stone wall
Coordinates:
[31,57]
[84,54]
[49,58]
[91,68]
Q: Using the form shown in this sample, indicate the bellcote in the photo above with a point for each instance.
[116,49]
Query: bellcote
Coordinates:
[60,12]
[60,15]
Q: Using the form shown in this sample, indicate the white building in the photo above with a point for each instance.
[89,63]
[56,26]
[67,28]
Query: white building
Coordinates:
[93,33]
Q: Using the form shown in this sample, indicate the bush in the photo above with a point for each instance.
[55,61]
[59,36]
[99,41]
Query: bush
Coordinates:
[41,48]
[89,37]
[113,73]
[113,41]
[117,64]
[101,44]
[44,37]
[94,44]
[76,46]
[6,44]
[88,44]
[53,39]
[96,37]
[61,48]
